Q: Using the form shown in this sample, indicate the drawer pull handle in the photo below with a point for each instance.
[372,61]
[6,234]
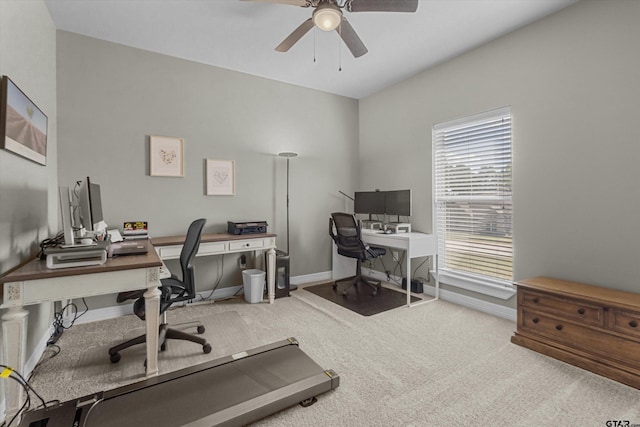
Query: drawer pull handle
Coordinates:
[536,300]
[559,327]
[581,311]
[633,324]
[536,320]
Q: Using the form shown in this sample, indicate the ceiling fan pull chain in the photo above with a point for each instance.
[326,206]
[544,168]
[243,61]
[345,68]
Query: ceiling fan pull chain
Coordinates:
[314,44]
[340,48]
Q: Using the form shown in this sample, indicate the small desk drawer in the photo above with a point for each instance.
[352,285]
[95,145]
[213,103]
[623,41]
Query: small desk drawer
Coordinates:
[169,252]
[586,313]
[212,248]
[246,244]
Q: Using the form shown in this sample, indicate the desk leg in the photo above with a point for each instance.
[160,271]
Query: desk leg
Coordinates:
[14,343]
[435,261]
[152,310]
[437,277]
[271,279]
[408,268]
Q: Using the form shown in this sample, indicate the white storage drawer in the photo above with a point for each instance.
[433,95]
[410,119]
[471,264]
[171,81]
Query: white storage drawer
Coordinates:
[169,252]
[246,244]
[212,248]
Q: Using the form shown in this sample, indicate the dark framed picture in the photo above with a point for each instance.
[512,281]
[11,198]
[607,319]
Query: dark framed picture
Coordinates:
[23,126]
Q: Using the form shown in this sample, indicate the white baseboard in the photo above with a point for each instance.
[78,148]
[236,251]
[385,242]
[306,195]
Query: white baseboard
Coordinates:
[126,309]
[33,360]
[309,278]
[454,297]
[113,312]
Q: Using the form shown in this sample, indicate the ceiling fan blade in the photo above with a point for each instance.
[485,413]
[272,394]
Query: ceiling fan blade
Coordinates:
[295,36]
[382,5]
[351,39]
[302,3]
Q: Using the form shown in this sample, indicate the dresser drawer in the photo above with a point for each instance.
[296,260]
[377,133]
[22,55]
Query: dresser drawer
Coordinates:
[246,245]
[627,323]
[589,340]
[575,310]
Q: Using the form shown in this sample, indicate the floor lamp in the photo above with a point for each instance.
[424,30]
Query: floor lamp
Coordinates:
[288,155]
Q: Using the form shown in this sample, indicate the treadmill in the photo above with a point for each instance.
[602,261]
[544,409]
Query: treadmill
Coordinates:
[232,390]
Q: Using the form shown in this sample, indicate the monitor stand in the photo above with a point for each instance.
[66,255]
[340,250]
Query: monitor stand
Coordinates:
[79,245]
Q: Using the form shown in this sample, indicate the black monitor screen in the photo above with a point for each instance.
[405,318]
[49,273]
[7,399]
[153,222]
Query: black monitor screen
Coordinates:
[369,202]
[398,202]
[90,204]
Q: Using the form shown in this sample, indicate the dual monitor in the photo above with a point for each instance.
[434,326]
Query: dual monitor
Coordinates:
[397,202]
[81,210]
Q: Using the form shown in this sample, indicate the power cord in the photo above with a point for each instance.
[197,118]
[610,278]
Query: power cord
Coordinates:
[50,352]
[9,372]
[58,320]
[220,267]
[51,242]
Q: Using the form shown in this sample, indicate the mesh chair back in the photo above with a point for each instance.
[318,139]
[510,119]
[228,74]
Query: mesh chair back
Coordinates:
[189,250]
[347,237]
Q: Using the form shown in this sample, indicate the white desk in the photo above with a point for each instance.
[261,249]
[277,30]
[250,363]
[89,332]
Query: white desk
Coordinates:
[414,244]
[34,283]
[223,243]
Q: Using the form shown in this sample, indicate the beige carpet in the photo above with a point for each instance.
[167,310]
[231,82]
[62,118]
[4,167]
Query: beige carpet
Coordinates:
[430,365]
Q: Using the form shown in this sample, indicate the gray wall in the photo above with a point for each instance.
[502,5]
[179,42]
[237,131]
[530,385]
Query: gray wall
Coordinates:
[572,82]
[112,97]
[28,190]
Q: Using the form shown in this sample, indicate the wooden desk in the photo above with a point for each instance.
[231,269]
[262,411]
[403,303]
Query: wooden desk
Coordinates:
[34,283]
[224,243]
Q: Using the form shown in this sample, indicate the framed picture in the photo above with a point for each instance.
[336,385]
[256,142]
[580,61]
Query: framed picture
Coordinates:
[166,156]
[23,126]
[221,177]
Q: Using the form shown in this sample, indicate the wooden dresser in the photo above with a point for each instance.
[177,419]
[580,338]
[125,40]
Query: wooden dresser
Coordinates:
[595,328]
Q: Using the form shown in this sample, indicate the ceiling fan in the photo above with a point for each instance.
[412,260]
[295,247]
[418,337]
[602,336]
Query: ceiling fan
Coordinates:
[328,16]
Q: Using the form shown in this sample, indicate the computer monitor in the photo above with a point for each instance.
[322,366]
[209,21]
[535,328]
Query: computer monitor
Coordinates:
[66,212]
[369,202]
[398,202]
[90,206]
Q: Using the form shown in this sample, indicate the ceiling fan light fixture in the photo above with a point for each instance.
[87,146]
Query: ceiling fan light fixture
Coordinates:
[327,17]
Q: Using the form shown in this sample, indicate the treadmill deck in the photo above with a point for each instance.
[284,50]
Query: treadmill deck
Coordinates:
[229,391]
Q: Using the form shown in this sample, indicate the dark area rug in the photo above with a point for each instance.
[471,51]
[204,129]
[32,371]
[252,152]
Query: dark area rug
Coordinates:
[359,299]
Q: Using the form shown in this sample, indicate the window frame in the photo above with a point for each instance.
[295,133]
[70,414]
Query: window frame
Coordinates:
[495,287]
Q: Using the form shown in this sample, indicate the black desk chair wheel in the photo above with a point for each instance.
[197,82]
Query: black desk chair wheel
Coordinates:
[172,290]
[346,233]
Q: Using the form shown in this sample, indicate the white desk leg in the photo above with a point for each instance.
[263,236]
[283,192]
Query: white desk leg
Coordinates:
[14,343]
[271,279]
[435,260]
[408,267]
[152,310]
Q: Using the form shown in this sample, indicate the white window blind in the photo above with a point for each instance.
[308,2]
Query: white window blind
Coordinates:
[473,209]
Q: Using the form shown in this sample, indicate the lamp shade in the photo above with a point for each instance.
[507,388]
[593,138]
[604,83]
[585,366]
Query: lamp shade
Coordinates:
[327,17]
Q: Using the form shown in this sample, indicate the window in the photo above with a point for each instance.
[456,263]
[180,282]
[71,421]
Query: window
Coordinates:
[472,194]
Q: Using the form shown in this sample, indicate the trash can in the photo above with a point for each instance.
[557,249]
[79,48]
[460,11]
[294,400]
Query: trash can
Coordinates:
[253,281]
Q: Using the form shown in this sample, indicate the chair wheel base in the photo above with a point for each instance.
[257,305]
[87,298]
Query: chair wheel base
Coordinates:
[115,357]
[206,348]
[200,329]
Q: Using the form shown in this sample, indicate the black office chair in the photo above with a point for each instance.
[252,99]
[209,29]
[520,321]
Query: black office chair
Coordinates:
[173,290]
[345,232]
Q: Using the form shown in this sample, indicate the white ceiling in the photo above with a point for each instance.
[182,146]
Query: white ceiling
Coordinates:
[242,35]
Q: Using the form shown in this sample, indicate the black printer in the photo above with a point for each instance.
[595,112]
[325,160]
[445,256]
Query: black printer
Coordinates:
[246,227]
